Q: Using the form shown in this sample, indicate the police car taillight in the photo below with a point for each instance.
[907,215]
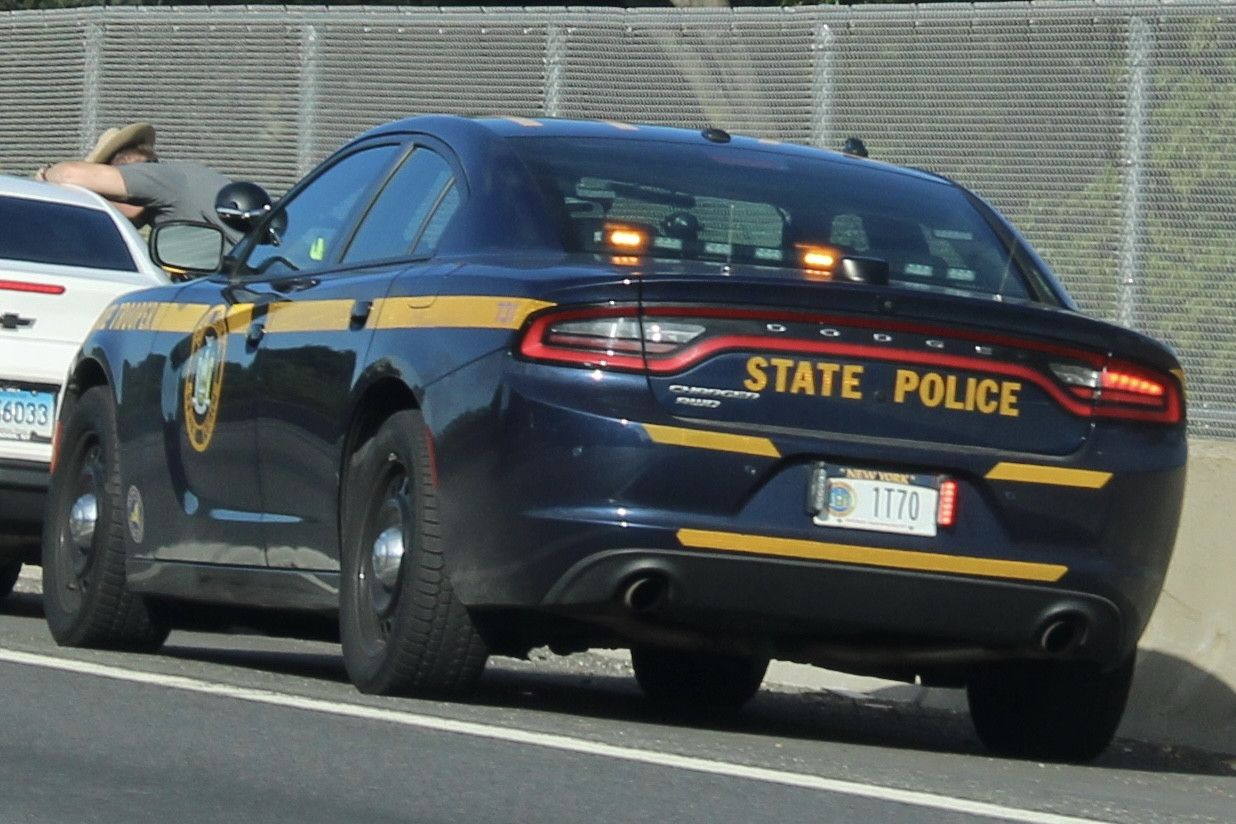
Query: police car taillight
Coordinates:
[609,335]
[598,338]
[1124,390]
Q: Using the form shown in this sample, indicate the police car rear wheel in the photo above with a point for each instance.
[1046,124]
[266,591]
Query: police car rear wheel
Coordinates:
[1049,710]
[85,598]
[693,679]
[402,628]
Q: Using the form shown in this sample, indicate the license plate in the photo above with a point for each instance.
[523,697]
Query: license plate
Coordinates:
[876,500]
[26,414]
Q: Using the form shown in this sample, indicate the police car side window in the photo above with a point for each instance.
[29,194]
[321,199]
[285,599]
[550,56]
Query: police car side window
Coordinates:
[395,220]
[310,225]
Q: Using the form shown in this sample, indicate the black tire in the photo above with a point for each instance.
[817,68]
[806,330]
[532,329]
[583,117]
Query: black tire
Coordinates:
[1049,710]
[403,630]
[85,599]
[8,577]
[684,679]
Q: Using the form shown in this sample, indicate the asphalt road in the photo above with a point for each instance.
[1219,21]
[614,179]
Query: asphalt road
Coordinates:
[243,728]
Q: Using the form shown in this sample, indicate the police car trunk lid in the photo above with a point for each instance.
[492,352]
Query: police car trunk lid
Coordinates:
[871,362]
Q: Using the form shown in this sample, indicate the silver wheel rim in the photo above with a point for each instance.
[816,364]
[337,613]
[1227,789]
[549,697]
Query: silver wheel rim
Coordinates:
[380,569]
[83,516]
[76,552]
[386,557]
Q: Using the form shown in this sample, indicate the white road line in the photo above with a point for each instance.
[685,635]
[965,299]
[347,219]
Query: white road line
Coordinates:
[557,742]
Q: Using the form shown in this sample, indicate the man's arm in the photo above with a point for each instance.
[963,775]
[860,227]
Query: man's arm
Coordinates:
[97,177]
[102,178]
[134,213]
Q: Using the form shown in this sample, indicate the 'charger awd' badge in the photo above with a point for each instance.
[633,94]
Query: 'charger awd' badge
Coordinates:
[204,377]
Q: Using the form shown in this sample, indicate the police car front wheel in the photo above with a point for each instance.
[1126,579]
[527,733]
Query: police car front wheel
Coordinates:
[85,597]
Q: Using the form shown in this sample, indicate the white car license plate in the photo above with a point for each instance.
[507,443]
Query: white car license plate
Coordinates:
[877,500]
[26,414]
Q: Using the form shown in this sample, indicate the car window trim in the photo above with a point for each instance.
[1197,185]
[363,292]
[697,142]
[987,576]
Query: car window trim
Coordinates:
[414,145]
[250,240]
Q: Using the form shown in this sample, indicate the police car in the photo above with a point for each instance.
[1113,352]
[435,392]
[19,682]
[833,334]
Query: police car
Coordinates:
[481,385]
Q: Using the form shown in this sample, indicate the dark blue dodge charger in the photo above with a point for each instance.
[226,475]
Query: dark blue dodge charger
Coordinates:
[481,385]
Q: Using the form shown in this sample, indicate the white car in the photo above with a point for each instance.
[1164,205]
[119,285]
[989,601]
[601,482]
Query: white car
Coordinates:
[64,254]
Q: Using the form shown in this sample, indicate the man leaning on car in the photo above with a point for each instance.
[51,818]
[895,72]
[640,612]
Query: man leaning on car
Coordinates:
[124,168]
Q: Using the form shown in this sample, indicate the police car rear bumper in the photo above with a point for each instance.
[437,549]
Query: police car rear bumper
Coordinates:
[896,618]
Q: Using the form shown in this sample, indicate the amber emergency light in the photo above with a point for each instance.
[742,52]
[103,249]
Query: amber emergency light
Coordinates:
[627,238]
[819,262]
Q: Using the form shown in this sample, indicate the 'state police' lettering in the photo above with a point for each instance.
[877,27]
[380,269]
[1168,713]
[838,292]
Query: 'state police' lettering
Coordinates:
[933,390]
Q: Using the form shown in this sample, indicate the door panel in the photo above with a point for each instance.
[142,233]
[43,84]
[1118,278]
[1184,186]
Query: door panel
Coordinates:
[211,445]
[311,344]
[315,337]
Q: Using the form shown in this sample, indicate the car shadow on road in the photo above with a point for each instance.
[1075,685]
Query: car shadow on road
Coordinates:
[601,686]
[24,604]
[1175,700]
[607,690]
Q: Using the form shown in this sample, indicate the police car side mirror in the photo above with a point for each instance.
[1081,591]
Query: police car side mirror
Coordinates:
[185,249]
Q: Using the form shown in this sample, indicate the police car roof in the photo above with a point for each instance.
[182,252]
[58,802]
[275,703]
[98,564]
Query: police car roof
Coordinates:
[468,130]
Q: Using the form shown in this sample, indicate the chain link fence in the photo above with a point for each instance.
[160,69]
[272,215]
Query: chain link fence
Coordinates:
[1106,130]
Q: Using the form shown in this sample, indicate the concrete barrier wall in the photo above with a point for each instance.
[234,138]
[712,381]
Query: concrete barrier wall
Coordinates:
[1185,689]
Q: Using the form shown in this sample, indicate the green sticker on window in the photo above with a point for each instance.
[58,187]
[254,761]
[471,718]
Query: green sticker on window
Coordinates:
[318,250]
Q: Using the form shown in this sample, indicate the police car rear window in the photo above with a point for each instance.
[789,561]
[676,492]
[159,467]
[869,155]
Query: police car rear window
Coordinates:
[59,233]
[778,210]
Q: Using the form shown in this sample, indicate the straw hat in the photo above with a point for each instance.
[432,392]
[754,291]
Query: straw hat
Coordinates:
[113,140]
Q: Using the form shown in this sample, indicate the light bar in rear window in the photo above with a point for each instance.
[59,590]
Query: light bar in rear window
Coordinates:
[819,262]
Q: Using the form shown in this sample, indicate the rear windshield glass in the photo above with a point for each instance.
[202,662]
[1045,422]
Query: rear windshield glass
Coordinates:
[771,209]
[42,232]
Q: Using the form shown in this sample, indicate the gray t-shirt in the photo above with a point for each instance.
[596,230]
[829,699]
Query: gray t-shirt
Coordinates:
[176,190]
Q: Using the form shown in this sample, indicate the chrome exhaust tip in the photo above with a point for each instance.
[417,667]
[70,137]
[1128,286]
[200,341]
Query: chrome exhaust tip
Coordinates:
[1062,634]
[645,593]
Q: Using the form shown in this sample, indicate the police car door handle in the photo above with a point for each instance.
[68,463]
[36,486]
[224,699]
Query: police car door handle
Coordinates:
[360,312]
[257,330]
